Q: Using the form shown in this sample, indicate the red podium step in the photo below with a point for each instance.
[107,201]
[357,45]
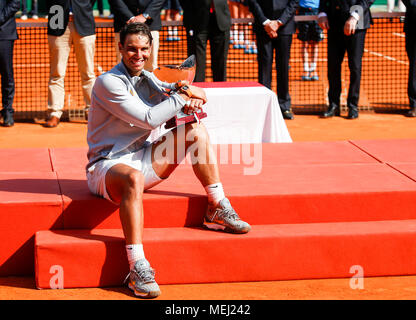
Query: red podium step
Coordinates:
[401,150]
[299,183]
[28,202]
[192,255]
[279,194]
[25,160]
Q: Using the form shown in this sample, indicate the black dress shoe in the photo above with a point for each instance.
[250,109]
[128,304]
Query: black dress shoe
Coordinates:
[287,114]
[332,111]
[352,113]
[8,120]
[411,112]
[52,122]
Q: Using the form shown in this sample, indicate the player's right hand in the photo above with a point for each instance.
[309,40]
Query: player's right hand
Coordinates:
[193,105]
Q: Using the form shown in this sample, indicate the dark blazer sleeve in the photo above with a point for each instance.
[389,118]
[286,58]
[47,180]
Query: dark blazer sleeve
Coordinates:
[83,16]
[410,19]
[256,11]
[324,6]
[290,11]
[222,14]
[9,10]
[187,13]
[154,8]
[119,8]
[365,4]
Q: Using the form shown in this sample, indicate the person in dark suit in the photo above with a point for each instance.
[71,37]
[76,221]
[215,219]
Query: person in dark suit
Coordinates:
[208,20]
[347,22]
[187,23]
[410,31]
[144,11]
[8,35]
[274,26]
[69,22]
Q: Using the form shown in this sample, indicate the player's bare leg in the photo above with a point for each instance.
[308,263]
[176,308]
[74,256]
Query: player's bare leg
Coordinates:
[195,140]
[202,156]
[125,186]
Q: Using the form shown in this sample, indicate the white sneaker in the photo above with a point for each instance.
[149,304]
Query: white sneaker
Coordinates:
[142,280]
[23,17]
[35,16]
[223,217]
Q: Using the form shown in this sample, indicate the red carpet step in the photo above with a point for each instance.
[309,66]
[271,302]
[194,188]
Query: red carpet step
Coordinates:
[291,194]
[305,182]
[82,258]
[401,150]
[29,201]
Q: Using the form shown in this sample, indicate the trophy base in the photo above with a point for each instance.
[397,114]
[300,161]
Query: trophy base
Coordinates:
[183,118]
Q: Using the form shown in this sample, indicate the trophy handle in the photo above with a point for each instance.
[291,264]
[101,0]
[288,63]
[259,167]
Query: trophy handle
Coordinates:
[174,73]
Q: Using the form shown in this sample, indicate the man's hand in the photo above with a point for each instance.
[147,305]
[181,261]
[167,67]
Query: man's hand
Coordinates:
[271,28]
[138,18]
[350,25]
[323,22]
[193,105]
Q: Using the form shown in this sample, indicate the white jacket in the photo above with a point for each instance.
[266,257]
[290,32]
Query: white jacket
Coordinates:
[124,110]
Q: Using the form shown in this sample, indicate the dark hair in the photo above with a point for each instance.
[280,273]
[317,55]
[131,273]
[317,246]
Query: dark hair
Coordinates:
[135,28]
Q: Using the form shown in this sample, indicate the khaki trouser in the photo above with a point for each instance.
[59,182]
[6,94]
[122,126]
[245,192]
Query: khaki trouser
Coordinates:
[151,64]
[59,49]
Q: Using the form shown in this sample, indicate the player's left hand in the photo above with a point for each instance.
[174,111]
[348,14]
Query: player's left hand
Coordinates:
[193,105]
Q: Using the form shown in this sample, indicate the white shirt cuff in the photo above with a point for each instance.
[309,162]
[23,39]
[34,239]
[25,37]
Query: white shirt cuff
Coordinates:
[321,14]
[355,15]
[266,22]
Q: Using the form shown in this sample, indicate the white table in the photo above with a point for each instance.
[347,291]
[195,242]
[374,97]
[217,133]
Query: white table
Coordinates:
[242,114]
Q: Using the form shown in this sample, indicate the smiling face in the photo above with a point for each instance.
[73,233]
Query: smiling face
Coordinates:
[135,52]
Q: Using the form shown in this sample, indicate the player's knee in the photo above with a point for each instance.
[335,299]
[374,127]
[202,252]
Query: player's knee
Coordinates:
[134,183]
[197,132]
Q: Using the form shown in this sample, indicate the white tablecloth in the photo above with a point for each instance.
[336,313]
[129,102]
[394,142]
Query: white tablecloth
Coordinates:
[238,115]
[244,115]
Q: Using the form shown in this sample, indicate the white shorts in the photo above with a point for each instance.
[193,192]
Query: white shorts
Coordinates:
[140,160]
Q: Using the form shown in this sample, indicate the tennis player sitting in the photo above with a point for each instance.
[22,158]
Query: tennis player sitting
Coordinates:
[125,107]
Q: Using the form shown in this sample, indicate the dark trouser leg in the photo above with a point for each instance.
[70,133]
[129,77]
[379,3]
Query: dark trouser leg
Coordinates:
[24,7]
[190,42]
[264,58]
[283,44]
[411,54]
[355,49]
[100,7]
[7,75]
[34,10]
[336,52]
[219,43]
[200,43]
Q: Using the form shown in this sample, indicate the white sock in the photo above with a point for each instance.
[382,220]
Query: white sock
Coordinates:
[313,67]
[306,67]
[134,252]
[215,192]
